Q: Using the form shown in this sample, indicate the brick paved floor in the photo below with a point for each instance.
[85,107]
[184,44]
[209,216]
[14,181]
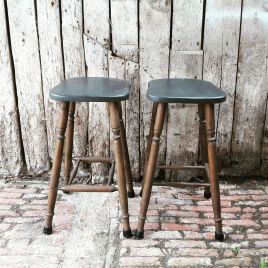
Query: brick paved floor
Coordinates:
[179,233]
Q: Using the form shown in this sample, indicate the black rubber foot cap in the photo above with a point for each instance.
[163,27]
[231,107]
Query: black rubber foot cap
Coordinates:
[66,192]
[127,233]
[207,194]
[131,194]
[219,236]
[47,230]
[139,235]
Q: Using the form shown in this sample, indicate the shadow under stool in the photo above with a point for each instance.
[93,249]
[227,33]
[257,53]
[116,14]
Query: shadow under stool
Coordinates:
[205,95]
[90,89]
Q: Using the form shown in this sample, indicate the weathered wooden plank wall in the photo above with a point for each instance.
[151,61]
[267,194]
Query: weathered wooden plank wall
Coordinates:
[43,42]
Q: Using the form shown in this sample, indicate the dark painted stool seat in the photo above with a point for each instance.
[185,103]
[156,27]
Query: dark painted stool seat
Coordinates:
[184,91]
[90,89]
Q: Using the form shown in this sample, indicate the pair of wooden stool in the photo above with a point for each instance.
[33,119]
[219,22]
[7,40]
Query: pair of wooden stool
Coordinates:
[113,91]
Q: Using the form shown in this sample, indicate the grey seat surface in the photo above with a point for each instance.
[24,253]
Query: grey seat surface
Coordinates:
[184,91]
[90,89]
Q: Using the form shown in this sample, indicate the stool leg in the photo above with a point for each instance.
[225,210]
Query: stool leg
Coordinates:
[119,162]
[203,143]
[149,142]
[149,172]
[213,170]
[69,145]
[55,173]
[130,191]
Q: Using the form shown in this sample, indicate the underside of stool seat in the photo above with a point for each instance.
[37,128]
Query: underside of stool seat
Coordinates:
[90,89]
[184,91]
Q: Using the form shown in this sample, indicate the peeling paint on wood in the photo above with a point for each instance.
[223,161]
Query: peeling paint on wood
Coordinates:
[74,61]
[25,51]
[51,61]
[252,83]
[11,161]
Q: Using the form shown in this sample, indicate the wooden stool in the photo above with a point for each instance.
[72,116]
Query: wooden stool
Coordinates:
[200,92]
[94,89]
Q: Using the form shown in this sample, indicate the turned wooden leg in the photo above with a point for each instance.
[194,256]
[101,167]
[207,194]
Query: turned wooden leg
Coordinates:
[55,173]
[120,167]
[130,191]
[68,165]
[213,170]
[149,172]
[149,142]
[203,144]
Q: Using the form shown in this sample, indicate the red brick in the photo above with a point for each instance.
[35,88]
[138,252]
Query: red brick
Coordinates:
[21,190]
[231,210]
[235,197]
[264,209]
[137,243]
[209,203]
[264,215]
[259,197]
[190,197]
[185,244]
[148,226]
[245,223]
[34,213]
[249,209]
[12,201]
[237,236]
[197,208]
[224,215]
[179,227]
[246,192]
[258,236]
[185,214]
[197,221]
[196,252]
[261,244]
[7,213]
[4,227]
[139,261]
[10,195]
[247,216]
[151,212]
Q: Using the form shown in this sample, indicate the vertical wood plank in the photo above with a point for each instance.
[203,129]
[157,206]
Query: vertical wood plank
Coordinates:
[124,19]
[125,46]
[74,61]
[252,83]
[132,117]
[221,41]
[187,24]
[183,121]
[154,61]
[51,61]
[11,161]
[29,84]
[96,40]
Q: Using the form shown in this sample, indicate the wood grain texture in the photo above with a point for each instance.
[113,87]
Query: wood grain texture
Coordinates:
[11,162]
[154,61]
[183,121]
[48,15]
[221,42]
[125,35]
[74,61]
[97,41]
[187,24]
[133,116]
[252,83]
[25,51]
[96,21]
